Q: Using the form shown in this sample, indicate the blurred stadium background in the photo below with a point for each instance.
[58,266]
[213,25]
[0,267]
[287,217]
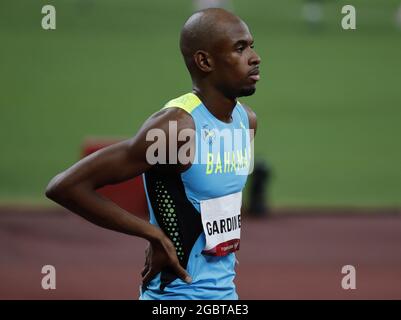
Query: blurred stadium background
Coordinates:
[329,110]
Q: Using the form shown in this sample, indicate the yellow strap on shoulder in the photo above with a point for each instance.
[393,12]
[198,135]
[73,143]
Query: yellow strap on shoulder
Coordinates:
[188,102]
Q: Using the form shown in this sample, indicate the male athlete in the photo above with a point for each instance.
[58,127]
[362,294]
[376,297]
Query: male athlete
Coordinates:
[194,205]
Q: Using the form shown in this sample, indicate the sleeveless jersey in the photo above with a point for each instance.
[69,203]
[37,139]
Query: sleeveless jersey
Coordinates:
[199,209]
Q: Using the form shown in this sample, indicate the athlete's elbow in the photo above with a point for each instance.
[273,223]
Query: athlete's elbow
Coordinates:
[56,190]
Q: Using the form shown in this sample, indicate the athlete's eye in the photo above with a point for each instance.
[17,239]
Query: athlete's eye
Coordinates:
[240,49]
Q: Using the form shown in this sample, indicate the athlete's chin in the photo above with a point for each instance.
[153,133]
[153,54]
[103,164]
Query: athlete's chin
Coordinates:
[247,91]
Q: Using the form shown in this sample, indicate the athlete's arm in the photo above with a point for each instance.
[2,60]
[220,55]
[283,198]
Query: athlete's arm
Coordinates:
[75,188]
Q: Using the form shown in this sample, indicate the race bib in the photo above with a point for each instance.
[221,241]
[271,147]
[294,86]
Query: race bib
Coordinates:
[221,220]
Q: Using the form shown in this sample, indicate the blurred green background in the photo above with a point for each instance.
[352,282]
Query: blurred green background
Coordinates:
[328,104]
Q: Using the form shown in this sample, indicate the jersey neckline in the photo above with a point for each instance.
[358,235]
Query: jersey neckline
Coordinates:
[214,117]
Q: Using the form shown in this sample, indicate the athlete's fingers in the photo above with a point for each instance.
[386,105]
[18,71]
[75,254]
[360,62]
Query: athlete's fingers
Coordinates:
[181,272]
[175,264]
[148,276]
[146,265]
[147,257]
[145,270]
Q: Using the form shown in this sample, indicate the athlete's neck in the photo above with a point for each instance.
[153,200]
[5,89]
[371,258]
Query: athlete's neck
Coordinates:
[218,104]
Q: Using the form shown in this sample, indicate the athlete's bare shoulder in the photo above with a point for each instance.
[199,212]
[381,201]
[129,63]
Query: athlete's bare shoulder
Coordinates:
[177,128]
[163,117]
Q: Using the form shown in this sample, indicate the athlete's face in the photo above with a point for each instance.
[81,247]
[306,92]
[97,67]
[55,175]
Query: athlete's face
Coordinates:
[236,64]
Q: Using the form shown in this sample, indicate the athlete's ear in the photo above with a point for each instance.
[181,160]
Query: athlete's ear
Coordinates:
[203,61]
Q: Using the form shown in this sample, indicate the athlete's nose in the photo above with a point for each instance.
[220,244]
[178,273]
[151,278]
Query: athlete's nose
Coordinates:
[255,59]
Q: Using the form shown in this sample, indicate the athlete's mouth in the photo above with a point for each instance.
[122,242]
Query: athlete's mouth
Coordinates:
[254,74]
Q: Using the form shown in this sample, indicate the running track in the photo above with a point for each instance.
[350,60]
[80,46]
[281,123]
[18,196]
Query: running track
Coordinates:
[287,256]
